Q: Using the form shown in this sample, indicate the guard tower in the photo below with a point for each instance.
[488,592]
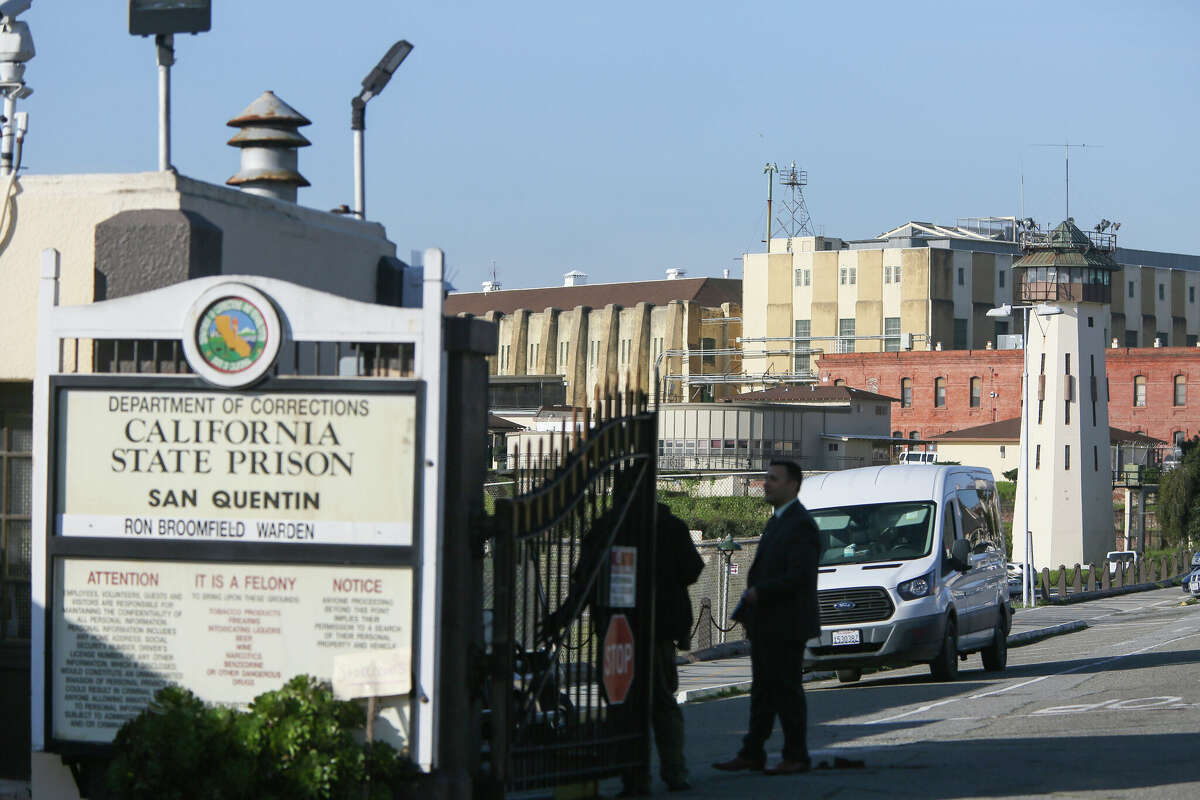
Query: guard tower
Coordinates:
[1067,433]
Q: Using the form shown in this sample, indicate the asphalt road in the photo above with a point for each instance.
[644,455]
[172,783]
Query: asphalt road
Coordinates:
[1111,711]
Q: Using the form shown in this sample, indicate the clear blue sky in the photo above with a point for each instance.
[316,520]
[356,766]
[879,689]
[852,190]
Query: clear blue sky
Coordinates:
[624,138]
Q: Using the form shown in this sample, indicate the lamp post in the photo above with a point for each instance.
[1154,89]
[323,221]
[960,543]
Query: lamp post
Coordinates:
[1005,311]
[372,85]
[727,547]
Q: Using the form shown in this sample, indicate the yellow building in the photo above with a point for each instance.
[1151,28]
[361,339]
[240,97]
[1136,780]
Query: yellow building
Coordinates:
[935,284]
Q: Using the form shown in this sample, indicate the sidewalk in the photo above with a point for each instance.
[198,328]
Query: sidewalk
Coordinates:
[703,679]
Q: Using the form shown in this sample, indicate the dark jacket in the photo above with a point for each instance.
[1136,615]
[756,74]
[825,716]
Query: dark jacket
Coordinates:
[678,565]
[784,575]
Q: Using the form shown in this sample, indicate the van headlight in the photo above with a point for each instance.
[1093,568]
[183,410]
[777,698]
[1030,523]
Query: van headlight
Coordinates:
[916,588]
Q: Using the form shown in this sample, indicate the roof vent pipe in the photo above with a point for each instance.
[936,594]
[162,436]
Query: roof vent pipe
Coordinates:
[269,143]
[575,278]
[675,273]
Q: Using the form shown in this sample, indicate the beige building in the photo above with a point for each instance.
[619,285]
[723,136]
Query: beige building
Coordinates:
[818,427]
[936,283]
[614,333]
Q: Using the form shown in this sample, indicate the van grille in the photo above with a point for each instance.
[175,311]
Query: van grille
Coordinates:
[870,605]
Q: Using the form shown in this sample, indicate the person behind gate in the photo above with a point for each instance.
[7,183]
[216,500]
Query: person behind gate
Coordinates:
[780,612]
[677,566]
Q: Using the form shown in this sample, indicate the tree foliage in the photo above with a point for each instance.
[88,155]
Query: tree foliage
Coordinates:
[1179,497]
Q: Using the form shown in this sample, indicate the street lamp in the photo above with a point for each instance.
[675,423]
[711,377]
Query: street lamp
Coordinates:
[372,85]
[727,547]
[1005,311]
[162,19]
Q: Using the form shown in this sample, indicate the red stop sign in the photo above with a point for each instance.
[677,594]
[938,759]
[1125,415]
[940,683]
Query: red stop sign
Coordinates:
[618,659]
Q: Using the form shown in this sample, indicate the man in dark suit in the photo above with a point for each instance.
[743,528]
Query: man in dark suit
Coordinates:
[780,613]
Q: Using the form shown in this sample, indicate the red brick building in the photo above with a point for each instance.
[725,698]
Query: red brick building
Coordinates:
[1154,391]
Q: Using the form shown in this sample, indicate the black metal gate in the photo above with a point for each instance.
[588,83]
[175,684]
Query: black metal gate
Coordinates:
[572,617]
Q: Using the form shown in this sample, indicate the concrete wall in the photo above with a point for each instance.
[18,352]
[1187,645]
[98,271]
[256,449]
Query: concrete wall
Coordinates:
[260,236]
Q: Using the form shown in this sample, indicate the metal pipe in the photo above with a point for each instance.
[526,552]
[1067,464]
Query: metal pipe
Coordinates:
[6,143]
[1027,582]
[360,191]
[358,124]
[166,57]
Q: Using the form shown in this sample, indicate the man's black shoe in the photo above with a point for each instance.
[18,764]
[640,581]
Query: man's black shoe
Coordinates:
[787,767]
[739,764]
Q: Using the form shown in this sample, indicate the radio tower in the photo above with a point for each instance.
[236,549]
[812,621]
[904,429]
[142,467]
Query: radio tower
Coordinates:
[797,223]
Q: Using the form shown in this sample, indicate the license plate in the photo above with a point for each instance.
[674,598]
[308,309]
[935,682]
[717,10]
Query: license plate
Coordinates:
[847,637]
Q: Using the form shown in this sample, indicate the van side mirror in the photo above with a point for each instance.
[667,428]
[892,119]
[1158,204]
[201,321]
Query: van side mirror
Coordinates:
[960,553]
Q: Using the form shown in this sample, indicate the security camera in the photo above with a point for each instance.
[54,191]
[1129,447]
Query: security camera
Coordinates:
[11,8]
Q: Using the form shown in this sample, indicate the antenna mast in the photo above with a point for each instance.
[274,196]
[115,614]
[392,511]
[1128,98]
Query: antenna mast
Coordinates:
[798,222]
[1067,158]
[769,170]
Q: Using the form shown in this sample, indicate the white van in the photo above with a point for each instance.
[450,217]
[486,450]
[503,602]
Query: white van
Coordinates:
[912,569]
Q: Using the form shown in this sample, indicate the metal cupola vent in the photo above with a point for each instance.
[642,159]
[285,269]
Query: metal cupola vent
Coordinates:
[269,141]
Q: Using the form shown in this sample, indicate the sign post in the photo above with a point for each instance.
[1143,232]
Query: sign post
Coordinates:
[241,517]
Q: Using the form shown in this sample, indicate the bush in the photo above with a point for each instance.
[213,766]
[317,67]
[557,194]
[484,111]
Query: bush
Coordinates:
[295,742]
[719,517]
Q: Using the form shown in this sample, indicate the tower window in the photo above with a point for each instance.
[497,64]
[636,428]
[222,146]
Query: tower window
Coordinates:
[1139,391]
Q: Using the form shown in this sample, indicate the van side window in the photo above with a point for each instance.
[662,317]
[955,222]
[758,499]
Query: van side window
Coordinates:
[975,521]
[949,527]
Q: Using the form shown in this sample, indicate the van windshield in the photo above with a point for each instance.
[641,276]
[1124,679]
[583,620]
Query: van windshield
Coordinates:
[879,532]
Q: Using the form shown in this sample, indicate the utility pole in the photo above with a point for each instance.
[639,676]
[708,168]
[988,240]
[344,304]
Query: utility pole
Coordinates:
[769,170]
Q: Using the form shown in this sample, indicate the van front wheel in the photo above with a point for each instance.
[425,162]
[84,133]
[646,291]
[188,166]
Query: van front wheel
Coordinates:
[995,655]
[945,666]
[848,675]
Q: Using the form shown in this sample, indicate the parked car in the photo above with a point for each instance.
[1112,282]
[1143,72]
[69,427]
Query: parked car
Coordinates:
[1191,583]
[1117,558]
[912,568]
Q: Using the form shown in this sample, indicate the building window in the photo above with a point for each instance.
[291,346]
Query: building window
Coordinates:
[1037,457]
[1000,329]
[962,277]
[803,329]
[1095,458]
[887,274]
[833,447]
[1067,457]
[1139,391]
[709,359]
[1131,338]
[939,392]
[534,351]
[1131,288]
[853,275]
[896,274]
[839,382]
[1162,291]
[1000,275]
[16,445]
[1191,294]
[845,343]
[1001,451]
[799,278]
[808,277]
[1161,336]
[913,435]
[906,392]
[562,355]
[960,334]
[897,434]
[891,329]
[843,275]
[1180,390]
[1190,340]
[976,391]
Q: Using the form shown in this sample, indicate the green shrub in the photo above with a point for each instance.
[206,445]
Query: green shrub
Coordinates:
[295,742]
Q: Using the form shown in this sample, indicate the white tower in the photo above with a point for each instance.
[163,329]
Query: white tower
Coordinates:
[1066,400]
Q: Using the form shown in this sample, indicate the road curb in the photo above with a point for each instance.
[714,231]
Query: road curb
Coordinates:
[1037,634]
[738,687]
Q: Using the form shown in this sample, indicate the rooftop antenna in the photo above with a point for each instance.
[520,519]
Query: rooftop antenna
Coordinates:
[799,224]
[1067,157]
